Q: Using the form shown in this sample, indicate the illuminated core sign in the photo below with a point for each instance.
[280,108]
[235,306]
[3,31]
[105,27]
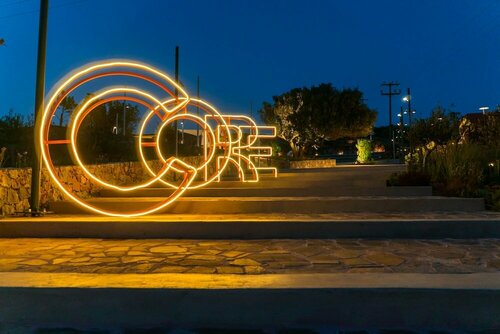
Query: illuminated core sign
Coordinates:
[227,138]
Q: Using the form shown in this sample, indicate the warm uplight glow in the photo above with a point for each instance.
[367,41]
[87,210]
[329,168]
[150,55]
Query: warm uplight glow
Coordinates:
[226,138]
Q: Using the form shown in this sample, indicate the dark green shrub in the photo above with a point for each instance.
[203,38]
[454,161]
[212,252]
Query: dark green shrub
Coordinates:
[458,170]
[410,178]
[492,197]
[364,147]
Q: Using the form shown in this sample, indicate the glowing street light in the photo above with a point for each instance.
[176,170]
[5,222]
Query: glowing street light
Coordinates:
[182,132]
[484,109]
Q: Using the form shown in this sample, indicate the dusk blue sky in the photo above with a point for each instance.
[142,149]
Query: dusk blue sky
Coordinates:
[245,52]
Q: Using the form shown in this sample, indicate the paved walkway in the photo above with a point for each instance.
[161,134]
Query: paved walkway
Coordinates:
[250,256]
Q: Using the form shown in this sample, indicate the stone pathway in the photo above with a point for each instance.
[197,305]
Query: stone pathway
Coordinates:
[250,256]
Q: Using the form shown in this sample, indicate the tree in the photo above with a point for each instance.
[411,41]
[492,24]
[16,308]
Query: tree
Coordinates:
[305,117]
[437,130]
[16,136]
[481,129]
[67,105]
[97,140]
[2,41]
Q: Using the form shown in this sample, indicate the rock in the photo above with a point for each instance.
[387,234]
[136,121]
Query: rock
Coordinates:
[386,259]
[275,251]
[12,196]
[34,262]
[170,269]
[137,253]
[19,207]
[324,259]
[232,254]
[61,260]
[14,173]
[229,270]
[14,184]
[80,259]
[359,262]
[8,209]
[4,180]
[144,267]
[134,259]
[494,263]
[254,269]
[346,253]
[202,270]
[245,262]
[168,249]
[203,257]
[10,260]
[118,249]
[189,262]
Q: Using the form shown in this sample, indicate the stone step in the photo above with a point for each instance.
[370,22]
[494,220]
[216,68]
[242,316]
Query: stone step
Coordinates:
[248,191]
[282,205]
[254,226]
[124,302]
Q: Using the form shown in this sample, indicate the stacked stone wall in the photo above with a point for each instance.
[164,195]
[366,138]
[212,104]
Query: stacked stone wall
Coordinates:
[15,183]
[317,163]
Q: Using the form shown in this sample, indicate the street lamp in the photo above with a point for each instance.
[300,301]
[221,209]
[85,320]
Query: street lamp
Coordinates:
[182,132]
[484,109]
[125,107]
[407,99]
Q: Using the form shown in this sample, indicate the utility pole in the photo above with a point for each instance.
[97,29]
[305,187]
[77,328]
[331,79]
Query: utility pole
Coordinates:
[198,112]
[390,93]
[176,96]
[410,113]
[124,114]
[401,130]
[408,99]
[36,163]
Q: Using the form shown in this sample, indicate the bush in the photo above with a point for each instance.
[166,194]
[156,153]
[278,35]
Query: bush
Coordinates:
[492,197]
[409,178]
[364,147]
[459,170]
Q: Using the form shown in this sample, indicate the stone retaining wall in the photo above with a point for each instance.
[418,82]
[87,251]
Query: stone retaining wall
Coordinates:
[301,164]
[15,183]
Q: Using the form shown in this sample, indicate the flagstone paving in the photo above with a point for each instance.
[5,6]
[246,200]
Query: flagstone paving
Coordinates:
[250,256]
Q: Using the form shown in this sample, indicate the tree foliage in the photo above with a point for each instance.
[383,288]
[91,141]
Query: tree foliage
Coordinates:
[481,129]
[305,117]
[437,130]
[16,140]
[67,105]
[100,141]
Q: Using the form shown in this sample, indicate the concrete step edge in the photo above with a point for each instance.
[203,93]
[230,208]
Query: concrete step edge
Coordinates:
[472,281]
